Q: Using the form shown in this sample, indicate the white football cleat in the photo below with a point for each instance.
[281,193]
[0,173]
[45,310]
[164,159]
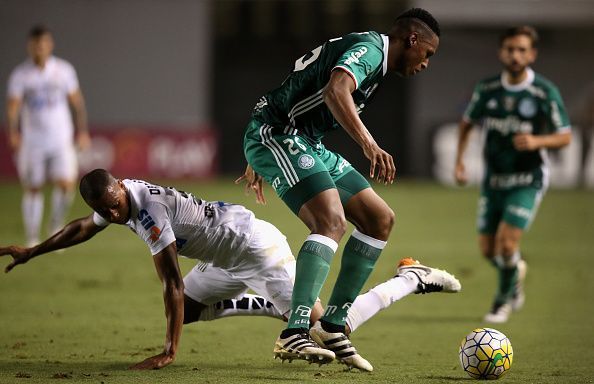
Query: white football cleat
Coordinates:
[430,279]
[519,297]
[499,314]
[300,346]
[339,344]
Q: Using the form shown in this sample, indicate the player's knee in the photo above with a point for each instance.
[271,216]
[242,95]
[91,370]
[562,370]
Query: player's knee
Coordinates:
[332,224]
[379,225]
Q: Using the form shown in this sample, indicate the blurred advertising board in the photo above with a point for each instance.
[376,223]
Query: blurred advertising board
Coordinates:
[140,152]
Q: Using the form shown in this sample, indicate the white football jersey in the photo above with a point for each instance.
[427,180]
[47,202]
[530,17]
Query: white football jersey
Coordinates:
[214,232]
[45,114]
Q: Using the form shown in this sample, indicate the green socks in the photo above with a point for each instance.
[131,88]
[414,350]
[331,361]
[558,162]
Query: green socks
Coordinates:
[360,255]
[508,277]
[313,264]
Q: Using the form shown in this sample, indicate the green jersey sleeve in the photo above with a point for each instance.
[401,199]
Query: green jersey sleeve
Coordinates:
[360,61]
[475,109]
[557,118]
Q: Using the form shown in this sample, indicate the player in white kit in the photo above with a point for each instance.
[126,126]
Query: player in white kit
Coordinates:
[236,250]
[42,91]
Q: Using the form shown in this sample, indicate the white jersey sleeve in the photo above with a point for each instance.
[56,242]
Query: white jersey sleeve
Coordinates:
[155,227]
[99,220]
[16,86]
[70,78]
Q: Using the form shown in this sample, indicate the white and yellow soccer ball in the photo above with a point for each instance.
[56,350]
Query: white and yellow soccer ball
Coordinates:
[486,353]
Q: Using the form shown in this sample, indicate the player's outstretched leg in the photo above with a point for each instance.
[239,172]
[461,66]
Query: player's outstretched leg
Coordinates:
[301,346]
[339,343]
[430,279]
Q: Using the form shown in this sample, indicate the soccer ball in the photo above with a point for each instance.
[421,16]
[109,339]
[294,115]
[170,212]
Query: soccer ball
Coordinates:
[485,353]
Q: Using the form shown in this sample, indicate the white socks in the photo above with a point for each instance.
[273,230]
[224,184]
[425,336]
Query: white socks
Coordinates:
[61,202]
[380,297]
[364,307]
[32,209]
[248,305]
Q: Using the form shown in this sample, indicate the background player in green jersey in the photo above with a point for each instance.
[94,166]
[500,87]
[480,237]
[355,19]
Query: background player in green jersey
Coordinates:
[326,90]
[523,115]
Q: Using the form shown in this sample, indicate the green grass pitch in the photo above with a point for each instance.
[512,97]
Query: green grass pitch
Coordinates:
[86,314]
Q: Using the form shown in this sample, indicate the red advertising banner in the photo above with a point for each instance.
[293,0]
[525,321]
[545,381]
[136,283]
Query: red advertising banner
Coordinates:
[142,153]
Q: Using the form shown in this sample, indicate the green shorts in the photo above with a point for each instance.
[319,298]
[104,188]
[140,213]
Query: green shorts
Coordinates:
[298,168]
[515,206]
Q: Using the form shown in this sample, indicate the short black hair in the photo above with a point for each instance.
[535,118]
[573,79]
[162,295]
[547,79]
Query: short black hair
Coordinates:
[525,30]
[94,184]
[38,30]
[422,15]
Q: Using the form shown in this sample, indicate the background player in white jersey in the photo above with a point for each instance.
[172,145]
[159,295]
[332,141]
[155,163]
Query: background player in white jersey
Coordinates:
[42,92]
[237,252]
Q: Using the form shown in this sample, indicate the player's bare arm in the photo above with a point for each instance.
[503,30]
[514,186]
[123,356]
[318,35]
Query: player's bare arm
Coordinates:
[79,110]
[253,182]
[173,294]
[528,142]
[13,108]
[75,232]
[337,96]
[460,169]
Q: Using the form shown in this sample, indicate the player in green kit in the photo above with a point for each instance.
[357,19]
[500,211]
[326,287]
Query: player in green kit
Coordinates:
[523,115]
[326,91]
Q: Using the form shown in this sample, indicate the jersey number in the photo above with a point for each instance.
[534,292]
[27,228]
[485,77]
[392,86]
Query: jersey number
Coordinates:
[305,60]
[290,146]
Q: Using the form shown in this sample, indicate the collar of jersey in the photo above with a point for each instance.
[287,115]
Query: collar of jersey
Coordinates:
[133,202]
[386,40]
[518,87]
[50,63]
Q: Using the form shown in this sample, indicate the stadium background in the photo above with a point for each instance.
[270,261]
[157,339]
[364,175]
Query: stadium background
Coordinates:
[170,84]
[198,67]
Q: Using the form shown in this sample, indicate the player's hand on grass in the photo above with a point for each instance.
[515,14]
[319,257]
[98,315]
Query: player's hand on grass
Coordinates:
[460,174]
[156,362]
[253,182]
[382,167]
[19,255]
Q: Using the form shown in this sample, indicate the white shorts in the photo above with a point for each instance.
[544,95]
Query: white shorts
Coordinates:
[36,164]
[270,273]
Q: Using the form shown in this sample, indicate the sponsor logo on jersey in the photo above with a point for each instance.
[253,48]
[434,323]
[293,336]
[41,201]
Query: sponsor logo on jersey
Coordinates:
[155,233]
[492,104]
[511,180]
[510,124]
[355,56]
[306,161]
[527,107]
[145,219]
[148,223]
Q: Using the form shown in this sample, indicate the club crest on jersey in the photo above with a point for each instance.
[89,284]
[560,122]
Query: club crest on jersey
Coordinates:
[527,107]
[306,161]
[354,56]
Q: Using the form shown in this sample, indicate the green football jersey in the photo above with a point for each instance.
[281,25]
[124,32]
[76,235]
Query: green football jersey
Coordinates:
[297,105]
[533,106]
